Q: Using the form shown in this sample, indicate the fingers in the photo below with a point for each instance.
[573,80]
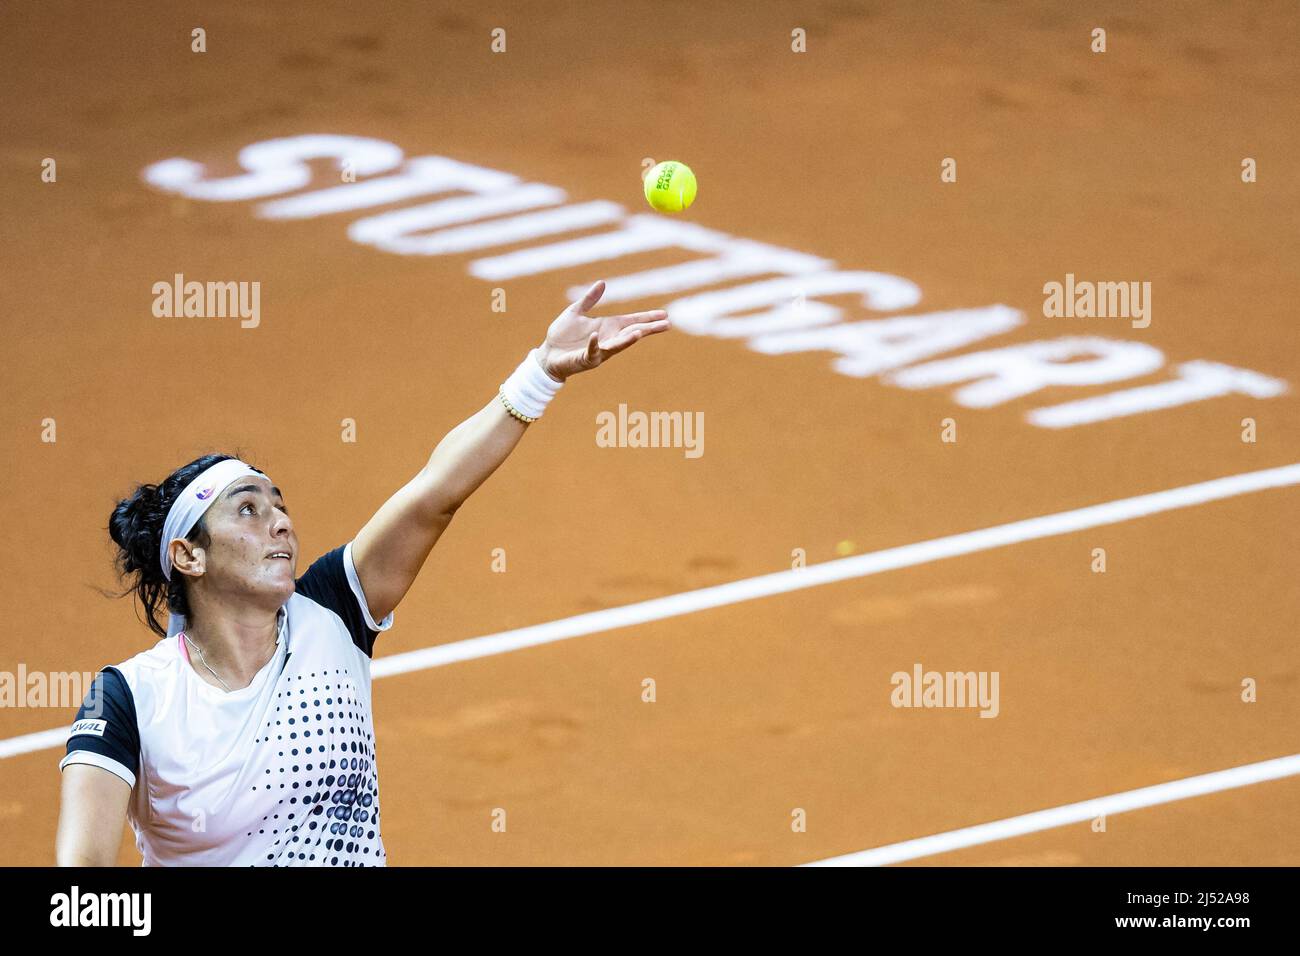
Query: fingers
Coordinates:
[620,343]
[588,301]
[646,328]
[632,318]
[634,333]
[593,349]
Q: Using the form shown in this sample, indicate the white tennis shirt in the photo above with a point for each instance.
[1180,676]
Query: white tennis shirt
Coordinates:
[278,773]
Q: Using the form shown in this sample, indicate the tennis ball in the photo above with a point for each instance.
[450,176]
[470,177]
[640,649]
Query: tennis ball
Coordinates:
[670,186]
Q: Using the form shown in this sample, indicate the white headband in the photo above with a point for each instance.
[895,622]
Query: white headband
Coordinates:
[189,506]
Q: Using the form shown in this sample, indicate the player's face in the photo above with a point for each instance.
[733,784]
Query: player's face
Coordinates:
[250,529]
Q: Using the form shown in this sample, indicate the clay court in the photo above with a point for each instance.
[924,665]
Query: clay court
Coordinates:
[772,738]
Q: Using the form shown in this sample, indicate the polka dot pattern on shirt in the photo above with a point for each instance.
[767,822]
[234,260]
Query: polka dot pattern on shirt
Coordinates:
[324,769]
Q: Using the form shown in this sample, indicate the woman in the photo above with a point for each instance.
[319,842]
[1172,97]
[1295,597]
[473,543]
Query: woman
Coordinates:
[244,736]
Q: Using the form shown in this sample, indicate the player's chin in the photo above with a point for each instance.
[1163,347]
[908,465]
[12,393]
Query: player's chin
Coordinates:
[280,575]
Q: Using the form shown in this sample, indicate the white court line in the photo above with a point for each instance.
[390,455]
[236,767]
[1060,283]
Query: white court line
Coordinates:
[30,743]
[796,579]
[1152,796]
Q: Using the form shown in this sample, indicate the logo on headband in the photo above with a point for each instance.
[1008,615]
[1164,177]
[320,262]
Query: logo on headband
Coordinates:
[206,493]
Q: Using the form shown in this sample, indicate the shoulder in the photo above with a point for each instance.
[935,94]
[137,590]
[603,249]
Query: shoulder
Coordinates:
[160,657]
[147,675]
[106,731]
[332,583]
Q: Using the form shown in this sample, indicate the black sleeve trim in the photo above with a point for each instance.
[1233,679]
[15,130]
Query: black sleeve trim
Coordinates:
[326,583]
[106,721]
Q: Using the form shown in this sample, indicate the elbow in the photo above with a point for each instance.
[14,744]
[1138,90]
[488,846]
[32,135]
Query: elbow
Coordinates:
[437,516]
[437,503]
[441,508]
[82,857]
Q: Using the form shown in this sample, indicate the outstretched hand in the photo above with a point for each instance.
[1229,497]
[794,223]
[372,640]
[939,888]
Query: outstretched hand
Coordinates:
[576,341]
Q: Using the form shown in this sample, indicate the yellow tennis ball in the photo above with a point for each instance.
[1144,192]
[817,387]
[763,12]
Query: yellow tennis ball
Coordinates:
[670,186]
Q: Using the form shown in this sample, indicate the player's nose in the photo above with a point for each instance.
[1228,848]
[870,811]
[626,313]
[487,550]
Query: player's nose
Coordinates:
[282,526]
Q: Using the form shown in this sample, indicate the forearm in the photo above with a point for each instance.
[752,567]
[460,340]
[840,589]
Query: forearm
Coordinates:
[468,454]
[393,545]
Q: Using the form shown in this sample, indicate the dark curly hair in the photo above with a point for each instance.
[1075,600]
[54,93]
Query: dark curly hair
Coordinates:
[136,527]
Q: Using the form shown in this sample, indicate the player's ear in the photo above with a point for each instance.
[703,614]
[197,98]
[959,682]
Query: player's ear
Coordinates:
[187,559]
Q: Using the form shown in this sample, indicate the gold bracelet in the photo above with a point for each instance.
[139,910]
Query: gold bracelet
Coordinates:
[514,411]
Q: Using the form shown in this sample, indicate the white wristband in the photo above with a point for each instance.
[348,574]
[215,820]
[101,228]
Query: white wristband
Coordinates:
[529,389]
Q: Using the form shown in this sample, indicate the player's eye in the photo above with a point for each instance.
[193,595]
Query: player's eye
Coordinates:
[246,504]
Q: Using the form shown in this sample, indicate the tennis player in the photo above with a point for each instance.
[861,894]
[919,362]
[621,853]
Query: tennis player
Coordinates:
[244,736]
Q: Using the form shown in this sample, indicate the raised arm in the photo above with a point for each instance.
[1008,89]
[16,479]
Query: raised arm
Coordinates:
[392,547]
